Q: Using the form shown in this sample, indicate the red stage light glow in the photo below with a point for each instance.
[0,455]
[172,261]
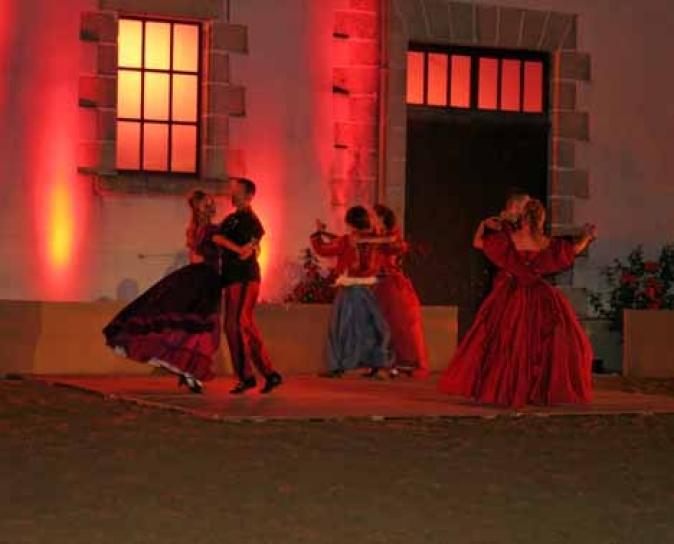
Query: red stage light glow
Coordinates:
[7,15]
[60,197]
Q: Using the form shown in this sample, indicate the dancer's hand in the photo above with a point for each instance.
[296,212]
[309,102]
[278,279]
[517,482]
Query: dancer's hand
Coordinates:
[590,231]
[493,223]
[247,251]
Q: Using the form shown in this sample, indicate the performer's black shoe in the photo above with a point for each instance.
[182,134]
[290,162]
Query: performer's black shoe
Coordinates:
[243,386]
[272,382]
[194,385]
[372,373]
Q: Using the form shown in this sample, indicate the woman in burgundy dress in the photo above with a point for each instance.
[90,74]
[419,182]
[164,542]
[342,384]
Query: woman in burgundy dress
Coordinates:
[526,345]
[399,302]
[175,324]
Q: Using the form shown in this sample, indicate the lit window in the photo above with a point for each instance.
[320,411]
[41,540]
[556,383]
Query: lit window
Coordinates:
[415,77]
[437,79]
[510,84]
[469,78]
[460,76]
[158,83]
[533,87]
[487,89]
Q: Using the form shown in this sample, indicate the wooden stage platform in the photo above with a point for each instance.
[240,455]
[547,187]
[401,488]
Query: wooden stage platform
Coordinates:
[312,398]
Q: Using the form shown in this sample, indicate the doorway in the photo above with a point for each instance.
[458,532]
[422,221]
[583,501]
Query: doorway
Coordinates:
[461,163]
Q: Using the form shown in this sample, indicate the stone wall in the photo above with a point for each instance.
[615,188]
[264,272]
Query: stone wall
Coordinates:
[356,82]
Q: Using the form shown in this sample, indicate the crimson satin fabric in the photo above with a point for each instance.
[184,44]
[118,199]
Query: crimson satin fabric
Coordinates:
[526,345]
[399,302]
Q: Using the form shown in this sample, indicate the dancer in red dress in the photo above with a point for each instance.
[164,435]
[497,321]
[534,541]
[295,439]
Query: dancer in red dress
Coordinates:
[399,302]
[526,345]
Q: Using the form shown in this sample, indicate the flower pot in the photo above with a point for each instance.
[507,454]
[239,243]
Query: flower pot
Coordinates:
[648,343]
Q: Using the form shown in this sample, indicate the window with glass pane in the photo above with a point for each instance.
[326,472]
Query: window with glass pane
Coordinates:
[467,78]
[158,81]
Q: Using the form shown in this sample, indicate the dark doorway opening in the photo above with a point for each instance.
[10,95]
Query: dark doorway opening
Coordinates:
[460,165]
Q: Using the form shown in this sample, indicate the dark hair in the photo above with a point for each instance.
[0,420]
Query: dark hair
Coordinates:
[248,186]
[387,216]
[515,193]
[532,215]
[358,218]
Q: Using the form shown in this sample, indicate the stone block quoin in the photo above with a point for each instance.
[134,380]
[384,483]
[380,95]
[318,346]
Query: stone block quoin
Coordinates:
[356,82]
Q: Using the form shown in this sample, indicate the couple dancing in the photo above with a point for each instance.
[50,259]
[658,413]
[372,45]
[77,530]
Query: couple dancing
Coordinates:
[376,316]
[175,325]
[526,345]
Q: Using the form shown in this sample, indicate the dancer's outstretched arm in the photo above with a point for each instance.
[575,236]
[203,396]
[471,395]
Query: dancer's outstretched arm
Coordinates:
[589,235]
[326,245]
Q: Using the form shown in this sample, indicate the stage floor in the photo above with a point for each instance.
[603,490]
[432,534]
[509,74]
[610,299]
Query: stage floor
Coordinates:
[309,397]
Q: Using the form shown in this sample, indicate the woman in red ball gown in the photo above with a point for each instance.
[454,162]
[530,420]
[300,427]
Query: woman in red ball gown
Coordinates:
[526,345]
[398,300]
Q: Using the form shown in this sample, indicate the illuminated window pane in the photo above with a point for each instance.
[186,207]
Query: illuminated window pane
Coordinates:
[510,85]
[183,148]
[156,96]
[186,48]
[460,92]
[155,146]
[128,94]
[533,87]
[487,92]
[157,45]
[129,43]
[437,79]
[128,145]
[415,77]
[158,91]
[184,98]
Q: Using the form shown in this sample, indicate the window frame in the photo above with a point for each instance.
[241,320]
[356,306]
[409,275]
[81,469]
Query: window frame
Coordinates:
[170,72]
[476,53]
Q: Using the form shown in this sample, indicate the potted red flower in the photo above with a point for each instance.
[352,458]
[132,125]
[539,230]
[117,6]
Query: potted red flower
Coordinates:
[636,300]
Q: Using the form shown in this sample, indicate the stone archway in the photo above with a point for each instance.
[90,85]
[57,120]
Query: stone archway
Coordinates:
[469,23]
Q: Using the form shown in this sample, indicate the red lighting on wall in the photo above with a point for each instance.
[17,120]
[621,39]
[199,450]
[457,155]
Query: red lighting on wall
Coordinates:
[58,199]
[158,96]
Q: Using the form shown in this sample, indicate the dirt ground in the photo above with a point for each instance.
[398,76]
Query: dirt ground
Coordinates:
[80,469]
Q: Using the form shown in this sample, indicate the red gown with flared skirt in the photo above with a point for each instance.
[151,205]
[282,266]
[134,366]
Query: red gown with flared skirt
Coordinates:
[400,305]
[526,345]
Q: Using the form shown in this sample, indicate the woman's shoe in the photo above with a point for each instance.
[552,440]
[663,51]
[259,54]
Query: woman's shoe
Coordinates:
[194,385]
[398,371]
